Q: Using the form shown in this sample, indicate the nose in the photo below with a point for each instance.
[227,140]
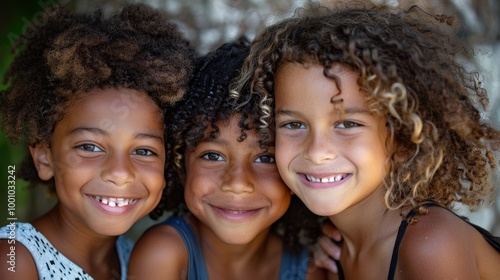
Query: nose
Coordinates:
[118,170]
[238,179]
[320,147]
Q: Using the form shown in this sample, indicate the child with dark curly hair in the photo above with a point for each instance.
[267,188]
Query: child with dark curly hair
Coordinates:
[86,93]
[380,128]
[219,167]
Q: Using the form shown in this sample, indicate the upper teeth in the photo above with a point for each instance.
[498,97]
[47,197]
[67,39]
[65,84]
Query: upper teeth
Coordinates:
[236,212]
[113,201]
[325,180]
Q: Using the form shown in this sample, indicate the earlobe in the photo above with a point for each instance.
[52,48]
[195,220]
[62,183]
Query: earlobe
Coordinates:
[41,158]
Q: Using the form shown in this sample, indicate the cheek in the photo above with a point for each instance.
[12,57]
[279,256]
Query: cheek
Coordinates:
[152,176]
[284,155]
[372,155]
[274,187]
[157,187]
[193,190]
[74,173]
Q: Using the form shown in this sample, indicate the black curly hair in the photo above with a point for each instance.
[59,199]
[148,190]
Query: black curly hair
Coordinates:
[72,54]
[206,102]
[409,66]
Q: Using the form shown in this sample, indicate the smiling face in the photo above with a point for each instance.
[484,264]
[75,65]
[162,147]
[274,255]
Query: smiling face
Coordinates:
[107,157]
[234,187]
[330,150]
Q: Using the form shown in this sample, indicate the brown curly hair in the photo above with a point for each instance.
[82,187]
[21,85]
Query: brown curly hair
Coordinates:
[206,102]
[409,67]
[74,53]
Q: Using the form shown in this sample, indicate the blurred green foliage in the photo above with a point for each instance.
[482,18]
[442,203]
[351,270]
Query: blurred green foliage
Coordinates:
[16,15]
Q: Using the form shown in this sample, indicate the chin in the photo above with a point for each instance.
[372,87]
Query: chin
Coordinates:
[111,230]
[237,239]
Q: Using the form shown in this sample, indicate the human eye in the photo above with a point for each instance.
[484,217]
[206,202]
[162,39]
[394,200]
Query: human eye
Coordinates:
[293,125]
[347,125]
[211,156]
[265,159]
[144,152]
[89,147]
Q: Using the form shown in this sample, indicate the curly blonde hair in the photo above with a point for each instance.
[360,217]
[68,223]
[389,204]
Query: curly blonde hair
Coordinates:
[409,68]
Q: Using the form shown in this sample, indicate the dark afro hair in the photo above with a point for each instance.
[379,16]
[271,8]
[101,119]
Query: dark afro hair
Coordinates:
[75,53]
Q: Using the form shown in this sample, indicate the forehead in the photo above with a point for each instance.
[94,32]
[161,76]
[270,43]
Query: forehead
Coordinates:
[107,106]
[129,98]
[115,100]
[230,130]
[307,82]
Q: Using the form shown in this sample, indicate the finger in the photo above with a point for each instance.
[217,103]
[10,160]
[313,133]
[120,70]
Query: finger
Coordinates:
[329,247]
[330,230]
[322,260]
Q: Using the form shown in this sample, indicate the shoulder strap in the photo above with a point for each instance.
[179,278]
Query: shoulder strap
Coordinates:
[395,251]
[196,263]
[340,272]
[492,240]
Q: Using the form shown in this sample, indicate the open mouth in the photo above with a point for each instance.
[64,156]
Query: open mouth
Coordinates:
[330,179]
[114,201]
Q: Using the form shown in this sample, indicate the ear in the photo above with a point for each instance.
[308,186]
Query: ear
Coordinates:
[42,159]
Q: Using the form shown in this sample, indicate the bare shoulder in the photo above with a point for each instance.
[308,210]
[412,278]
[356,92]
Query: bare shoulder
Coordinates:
[16,261]
[440,245]
[159,252]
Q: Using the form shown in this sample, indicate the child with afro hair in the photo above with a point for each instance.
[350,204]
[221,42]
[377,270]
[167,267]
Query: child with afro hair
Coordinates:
[86,93]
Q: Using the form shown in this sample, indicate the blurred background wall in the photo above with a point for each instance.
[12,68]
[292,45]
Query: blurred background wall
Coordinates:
[209,23]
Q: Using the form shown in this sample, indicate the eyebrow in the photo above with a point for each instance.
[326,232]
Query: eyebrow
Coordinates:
[282,112]
[357,110]
[221,142]
[101,132]
[92,130]
[350,111]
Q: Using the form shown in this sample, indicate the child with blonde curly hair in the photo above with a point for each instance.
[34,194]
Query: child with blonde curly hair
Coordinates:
[380,128]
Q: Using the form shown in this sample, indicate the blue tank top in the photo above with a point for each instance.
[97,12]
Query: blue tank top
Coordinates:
[293,266]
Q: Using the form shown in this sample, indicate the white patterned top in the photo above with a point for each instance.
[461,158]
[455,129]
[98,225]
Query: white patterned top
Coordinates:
[50,263]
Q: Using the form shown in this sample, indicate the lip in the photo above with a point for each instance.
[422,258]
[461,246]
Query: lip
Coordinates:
[113,210]
[325,183]
[235,213]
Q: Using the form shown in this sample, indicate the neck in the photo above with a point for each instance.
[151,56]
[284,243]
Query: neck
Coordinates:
[227,261]
[366,225]
[82,246]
